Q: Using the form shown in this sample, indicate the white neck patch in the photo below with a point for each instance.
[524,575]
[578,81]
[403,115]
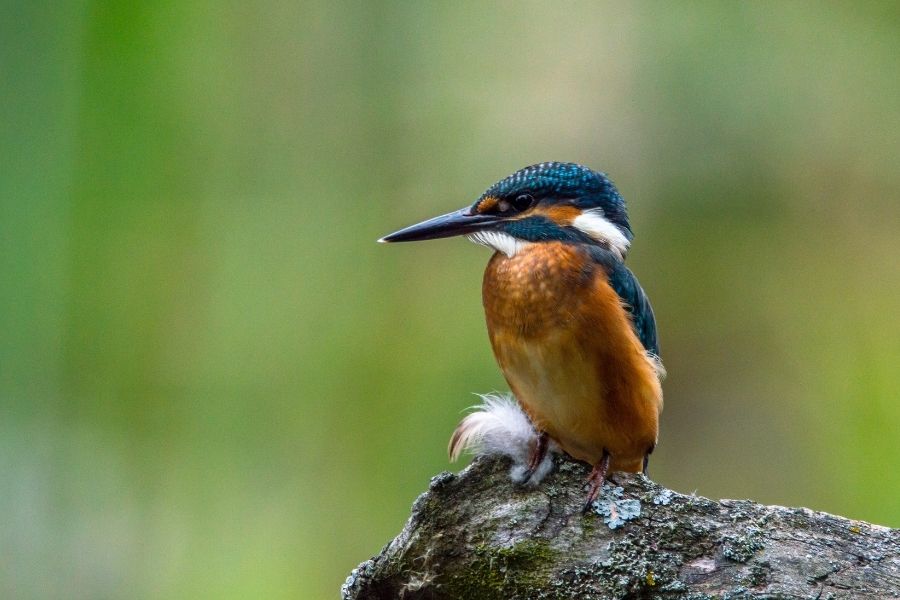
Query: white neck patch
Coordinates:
[499,241]
[593,223]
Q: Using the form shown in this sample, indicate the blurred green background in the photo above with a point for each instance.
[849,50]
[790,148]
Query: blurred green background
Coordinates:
[214,384]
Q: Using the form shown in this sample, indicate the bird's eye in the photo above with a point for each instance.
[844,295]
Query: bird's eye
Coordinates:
[523,202]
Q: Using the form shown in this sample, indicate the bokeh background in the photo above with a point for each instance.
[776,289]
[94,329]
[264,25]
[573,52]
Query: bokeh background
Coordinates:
[214,384]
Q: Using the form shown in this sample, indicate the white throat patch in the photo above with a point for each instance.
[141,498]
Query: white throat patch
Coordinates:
[499,241]
[593,223]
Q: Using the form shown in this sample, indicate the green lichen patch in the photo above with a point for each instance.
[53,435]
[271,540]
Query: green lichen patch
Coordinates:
[631,569]
[504,572]
[741,548]
[688,537]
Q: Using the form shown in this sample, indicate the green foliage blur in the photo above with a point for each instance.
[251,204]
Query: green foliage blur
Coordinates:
[215,384]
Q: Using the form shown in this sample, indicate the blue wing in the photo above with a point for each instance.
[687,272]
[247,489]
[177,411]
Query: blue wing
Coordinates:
[635,300]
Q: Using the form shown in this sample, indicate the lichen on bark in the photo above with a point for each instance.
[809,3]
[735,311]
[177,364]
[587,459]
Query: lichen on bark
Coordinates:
[477,535]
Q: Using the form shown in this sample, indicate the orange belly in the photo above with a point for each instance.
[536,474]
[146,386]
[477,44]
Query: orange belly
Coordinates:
[570,355]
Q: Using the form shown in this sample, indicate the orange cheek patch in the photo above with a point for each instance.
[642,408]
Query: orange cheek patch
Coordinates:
[487,204]
[561,214]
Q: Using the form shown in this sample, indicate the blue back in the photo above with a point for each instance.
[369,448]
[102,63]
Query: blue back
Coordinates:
[636,302]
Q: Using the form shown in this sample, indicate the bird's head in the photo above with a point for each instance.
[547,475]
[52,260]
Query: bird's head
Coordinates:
[547,202]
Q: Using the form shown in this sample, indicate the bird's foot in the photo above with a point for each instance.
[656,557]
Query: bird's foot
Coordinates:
[596,480]
[647,459]
[538,453]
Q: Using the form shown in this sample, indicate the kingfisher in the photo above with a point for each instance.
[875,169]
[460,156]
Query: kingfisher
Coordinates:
[570,326]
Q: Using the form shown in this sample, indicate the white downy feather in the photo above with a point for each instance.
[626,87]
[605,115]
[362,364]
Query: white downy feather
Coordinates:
[499,426]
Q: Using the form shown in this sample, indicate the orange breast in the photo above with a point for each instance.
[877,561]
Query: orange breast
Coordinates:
[570,355]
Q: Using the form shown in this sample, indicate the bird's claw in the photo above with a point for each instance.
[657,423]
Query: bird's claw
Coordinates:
[538,453]
[596,479]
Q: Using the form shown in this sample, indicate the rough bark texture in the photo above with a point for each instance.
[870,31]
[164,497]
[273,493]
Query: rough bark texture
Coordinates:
[476,535]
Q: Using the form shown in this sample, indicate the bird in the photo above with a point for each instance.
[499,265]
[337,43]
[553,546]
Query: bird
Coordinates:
[572,330]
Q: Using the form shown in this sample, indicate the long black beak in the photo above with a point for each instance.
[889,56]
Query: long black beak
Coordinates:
[459,222]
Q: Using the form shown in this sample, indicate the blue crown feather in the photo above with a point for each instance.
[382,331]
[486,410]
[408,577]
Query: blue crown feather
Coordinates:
[583,187]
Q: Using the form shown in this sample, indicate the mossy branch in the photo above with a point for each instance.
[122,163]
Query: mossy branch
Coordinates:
[476,535]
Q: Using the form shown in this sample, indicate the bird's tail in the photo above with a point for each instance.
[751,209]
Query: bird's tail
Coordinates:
[500,426]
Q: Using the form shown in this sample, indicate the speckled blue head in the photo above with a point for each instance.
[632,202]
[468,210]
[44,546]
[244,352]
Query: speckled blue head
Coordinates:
[574,184]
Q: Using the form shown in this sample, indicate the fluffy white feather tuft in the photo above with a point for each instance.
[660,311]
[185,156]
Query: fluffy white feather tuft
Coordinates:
[656,363]
[500,426]
[499,241]
[595,224]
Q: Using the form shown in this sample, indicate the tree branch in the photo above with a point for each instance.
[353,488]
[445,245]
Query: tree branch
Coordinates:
[476,535]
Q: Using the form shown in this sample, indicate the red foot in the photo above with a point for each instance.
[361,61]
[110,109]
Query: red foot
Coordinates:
[596,479]
[537,456]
